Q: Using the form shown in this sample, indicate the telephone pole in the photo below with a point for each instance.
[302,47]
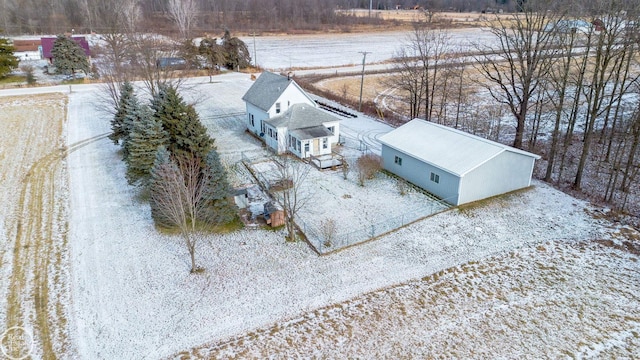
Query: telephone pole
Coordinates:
[364,57]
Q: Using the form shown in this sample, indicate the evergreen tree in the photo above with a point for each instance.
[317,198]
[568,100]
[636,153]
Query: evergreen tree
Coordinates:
[218,209]
[69,56]
[117,123]
[133,113]
[8,61]
[236,52]
[163,169]
[146,137]
[187,135]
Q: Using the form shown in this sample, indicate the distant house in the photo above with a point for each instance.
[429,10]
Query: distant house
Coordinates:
[47,47]
[27,49]
[287,118]
[456,166]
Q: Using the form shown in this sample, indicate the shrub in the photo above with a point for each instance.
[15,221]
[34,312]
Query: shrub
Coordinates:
[367,166]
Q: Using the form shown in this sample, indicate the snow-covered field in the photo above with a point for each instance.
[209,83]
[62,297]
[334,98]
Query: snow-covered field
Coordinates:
[321,51]
[555,300]
[132,295]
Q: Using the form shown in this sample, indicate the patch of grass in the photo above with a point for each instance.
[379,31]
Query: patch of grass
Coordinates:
[11,79]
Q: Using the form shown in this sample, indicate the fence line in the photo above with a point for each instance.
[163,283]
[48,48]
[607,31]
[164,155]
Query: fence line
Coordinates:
[325,242]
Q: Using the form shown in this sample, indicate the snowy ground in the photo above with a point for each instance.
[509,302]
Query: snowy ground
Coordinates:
[133,295]
[322,51]
[554,300]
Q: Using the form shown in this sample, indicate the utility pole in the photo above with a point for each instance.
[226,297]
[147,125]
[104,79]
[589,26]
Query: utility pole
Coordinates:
[364,57]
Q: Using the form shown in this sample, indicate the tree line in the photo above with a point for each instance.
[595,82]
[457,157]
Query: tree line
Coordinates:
[60,16]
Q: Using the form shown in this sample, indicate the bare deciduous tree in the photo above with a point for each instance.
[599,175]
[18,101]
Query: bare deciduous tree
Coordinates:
[295,195]
[183,13]
[524,54]
[176,195]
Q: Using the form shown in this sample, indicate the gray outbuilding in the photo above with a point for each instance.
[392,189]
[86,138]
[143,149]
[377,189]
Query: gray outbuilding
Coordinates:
[455,166]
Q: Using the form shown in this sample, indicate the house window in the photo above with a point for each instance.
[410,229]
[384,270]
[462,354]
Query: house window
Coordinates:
[261,126]
[332,129]
[435,178]
[270,132]
[278,108]
[298,143]
[306,147]
[252,123]
[325,143]
[398,160]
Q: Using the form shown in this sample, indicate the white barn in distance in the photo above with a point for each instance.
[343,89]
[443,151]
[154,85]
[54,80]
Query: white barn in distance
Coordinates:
[456,166]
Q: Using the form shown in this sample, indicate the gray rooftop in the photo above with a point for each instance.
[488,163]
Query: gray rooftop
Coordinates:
[452,150]
[302,116]
[266,90]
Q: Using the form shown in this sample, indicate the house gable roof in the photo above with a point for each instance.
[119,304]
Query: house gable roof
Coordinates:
[447,148]
[267,90]
[47,45]
[301,116]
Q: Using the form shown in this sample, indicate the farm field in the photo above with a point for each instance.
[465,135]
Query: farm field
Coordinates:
[121,289]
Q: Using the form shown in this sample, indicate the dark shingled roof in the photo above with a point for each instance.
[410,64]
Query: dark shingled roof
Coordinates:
[311,133]
[305,119]
[266,90]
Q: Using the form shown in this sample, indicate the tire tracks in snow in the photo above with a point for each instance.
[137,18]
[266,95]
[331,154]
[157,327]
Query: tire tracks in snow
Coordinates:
[37,295]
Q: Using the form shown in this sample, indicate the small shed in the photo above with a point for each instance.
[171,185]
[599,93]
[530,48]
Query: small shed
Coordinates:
[455,166]
[273,214]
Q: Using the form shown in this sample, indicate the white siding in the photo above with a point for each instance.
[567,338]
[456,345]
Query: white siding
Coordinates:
[291,95]
[504,173]
[336,131]
[258,116]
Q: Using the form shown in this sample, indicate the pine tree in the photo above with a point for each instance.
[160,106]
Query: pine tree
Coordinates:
[117,123]
[133,113]
[146,137]
[187,135]
[218,209]
[8,61]
[163,168]
[69,56]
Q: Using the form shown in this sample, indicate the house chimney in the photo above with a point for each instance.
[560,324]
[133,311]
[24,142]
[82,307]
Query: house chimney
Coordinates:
[289,75]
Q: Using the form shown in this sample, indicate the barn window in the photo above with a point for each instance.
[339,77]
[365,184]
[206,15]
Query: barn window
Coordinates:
[435,178]
[398,160]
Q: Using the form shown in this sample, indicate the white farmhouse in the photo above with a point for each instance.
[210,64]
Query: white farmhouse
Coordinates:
[287,119]
[456,166]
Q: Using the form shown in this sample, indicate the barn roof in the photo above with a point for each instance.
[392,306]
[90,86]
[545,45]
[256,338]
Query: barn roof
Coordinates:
[47,45]
[449,149]
[267,89]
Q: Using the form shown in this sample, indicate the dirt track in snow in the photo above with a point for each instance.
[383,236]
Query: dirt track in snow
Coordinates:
[34,219]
